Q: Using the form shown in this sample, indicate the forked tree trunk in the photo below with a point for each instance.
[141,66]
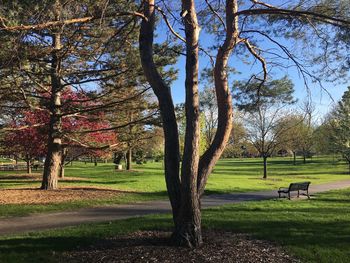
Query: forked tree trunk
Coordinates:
[54,149]
[223,96]
[167,109]
[188,231]
[185,195]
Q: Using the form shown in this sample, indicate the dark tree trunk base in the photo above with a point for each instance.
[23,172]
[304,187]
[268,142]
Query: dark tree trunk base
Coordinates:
[187,235]
[52,185]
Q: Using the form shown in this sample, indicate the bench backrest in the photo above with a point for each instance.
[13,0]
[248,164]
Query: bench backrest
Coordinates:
[299,186]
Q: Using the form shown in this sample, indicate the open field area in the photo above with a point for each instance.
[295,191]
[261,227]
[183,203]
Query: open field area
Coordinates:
[315,230]
[88,185]
[175,131]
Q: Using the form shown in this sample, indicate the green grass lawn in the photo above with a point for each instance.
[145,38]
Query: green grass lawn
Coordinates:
[146,182]
[5,160]
[316,230]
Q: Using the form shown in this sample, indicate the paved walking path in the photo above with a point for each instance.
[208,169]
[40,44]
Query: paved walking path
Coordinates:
[108,213]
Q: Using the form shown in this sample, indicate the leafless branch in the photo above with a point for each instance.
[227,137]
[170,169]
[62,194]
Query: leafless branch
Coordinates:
[296,13]
[216,14]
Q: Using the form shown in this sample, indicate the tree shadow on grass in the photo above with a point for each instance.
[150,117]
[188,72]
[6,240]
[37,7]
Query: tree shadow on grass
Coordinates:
[289,231]
[84,235]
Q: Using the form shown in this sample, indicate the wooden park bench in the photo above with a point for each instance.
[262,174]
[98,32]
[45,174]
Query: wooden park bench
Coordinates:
[302,186]
[37,166]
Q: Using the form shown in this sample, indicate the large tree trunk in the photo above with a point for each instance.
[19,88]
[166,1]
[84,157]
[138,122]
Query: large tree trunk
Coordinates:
[188,230]
[53,156]
[52,164]
[166,106]
[224,100]
[185,194]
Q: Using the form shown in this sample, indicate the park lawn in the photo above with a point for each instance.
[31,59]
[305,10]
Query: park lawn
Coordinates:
[5,160]
[146,182]
[316,230]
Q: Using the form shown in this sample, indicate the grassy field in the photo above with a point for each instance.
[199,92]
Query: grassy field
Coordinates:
[146,182]
[5,160]
[316,230]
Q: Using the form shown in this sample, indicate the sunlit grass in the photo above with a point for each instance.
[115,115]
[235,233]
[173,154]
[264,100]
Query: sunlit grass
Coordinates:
[146,181]
[316,230]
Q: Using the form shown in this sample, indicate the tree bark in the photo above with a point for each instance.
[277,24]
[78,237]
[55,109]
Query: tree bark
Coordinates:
[166,107]
[265,167]
[61,172]
[188,231]
[63,158]
[129,159]
[53,156]
[29,164]
[224,100]
[185,195]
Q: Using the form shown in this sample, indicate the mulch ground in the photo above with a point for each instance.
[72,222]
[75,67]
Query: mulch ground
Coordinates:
[37,196]
[153,246]
[32,195]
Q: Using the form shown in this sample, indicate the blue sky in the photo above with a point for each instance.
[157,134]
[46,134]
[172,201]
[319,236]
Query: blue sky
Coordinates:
[321,99]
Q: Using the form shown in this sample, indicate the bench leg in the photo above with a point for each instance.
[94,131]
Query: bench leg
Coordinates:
[289,195]
[298,193]
[307,193]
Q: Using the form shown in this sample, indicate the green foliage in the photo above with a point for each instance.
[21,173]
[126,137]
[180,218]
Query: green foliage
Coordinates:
[323,138]
[341,124]
[297,134]
[254,94]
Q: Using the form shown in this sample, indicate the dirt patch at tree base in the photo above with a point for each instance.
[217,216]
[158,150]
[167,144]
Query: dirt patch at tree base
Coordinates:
[154,246]
[37,196]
